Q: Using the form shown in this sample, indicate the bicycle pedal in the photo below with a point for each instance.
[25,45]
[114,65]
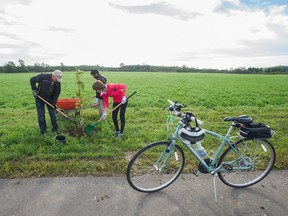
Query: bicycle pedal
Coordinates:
[195,172]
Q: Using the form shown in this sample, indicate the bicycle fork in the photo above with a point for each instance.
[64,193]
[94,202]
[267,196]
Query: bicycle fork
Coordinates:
[165,156]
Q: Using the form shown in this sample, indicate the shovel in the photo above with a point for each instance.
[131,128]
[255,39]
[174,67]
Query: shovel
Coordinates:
[57,109]
[91,127]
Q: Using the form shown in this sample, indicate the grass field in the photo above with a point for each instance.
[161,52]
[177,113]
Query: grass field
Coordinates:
[211,97]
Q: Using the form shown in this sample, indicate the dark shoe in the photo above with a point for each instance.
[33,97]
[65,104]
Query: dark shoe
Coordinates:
[42,132]
[54,129]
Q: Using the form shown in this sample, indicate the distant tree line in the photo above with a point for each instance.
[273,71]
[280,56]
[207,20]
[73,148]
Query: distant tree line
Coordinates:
[11,67]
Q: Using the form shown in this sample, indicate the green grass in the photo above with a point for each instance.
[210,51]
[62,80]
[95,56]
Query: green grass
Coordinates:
[211,97]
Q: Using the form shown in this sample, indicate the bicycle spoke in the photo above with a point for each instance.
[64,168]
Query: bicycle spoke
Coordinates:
[153,168]
[260,154]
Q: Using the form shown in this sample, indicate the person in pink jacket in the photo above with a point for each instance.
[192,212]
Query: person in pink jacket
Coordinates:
[118,93]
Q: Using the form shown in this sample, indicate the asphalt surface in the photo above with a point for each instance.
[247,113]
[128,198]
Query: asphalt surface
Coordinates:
[189,195]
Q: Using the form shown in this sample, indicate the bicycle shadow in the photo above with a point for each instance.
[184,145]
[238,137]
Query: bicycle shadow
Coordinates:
[257,200]
[245,201]
[162,200]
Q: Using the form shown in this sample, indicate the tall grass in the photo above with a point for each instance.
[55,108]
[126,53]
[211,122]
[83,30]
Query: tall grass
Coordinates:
[211,97]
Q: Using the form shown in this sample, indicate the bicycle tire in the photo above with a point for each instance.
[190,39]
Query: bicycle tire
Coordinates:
[258,152]
[141,171]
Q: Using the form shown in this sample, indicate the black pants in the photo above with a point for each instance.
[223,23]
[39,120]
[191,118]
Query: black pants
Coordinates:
[41,115]
[122,109]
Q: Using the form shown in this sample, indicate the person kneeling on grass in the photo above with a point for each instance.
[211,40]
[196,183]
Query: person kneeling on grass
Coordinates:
[118,93]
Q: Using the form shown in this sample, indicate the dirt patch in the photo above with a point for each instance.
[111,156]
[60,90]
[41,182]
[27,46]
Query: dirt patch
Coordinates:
[79,132]
[75,132]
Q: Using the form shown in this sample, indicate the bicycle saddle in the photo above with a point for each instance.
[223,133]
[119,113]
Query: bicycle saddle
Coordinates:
[243,119]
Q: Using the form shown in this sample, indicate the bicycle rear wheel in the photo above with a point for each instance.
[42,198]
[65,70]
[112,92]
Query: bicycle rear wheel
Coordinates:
[254,162]
[155,167]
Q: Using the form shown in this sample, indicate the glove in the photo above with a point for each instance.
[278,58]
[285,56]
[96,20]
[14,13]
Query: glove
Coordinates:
[124,100]
[97,101]
[34,94]
[104,115]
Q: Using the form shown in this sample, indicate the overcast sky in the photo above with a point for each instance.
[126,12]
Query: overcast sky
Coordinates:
[218,34]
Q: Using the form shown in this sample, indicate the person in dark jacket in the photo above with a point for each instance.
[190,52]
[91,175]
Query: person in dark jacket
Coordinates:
[49,88]
[99,98]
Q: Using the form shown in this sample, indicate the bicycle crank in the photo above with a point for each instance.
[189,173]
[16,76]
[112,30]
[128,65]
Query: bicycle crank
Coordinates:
[203,169]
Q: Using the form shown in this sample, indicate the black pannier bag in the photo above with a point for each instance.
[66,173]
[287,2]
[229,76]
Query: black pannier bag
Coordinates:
[256,130]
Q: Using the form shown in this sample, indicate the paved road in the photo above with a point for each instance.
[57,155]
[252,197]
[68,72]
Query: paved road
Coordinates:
[189,195]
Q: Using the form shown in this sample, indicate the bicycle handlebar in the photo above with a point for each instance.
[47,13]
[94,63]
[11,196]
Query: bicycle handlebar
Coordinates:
[170,102]
[176,107]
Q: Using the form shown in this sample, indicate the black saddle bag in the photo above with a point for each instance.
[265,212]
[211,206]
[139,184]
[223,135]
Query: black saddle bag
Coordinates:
[256,130]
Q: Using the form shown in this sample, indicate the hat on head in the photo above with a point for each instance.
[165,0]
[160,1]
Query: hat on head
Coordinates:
[58,75]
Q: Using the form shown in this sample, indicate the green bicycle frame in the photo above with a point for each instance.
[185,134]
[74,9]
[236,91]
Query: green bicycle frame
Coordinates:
[211,168]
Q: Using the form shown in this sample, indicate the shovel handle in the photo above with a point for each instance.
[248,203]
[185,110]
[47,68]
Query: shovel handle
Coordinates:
[54,108]
[120,103]
[132,94]
[117,106]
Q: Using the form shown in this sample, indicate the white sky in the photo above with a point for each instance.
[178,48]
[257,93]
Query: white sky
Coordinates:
[218,34]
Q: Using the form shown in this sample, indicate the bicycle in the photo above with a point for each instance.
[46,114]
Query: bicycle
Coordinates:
[245,162]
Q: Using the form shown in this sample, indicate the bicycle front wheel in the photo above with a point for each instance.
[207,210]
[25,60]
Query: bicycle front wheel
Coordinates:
[155,167]
[247,163]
